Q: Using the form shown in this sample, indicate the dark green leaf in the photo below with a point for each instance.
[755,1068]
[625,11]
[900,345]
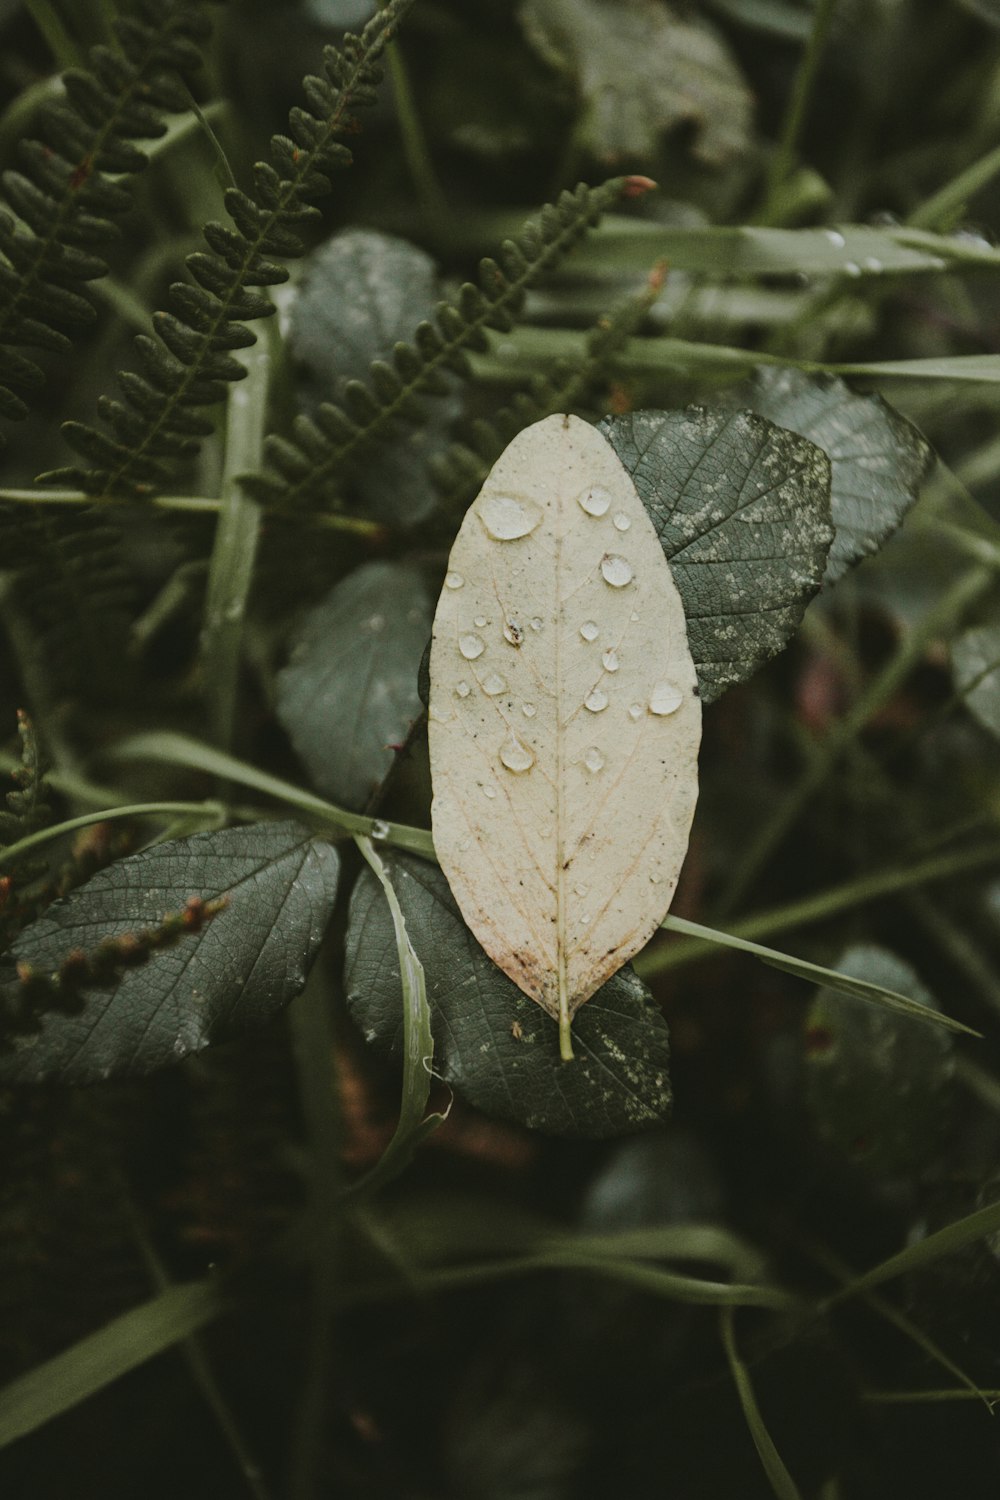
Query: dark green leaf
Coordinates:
[349,692]
[236,973]
[641,71]
[365,292]
[742,509]
[877,458]
[877,1082]
[491,1043]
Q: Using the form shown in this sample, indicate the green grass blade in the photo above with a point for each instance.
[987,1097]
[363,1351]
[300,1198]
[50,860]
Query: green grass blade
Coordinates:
[418,1046]
[861,989]
[955,1236]
[121,1345]
[781,1481]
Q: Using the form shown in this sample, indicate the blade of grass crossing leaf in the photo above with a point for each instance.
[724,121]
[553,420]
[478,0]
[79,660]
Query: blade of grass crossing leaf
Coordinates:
[210,814]
[781,1481]
[95,1361]
[818,974]
[418,1045]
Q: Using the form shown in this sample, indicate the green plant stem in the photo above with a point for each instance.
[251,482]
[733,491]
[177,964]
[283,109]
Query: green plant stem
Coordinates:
[315,1064]
[213,813]
[798,104]
[943,208]
[196,505]
[180,750]
[230,571]
[205,1379]
[969,587]
[433,203]
[822,905]
[955,1236]
[65,52]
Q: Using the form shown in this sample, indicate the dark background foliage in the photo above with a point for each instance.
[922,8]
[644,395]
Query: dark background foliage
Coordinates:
[513,1313]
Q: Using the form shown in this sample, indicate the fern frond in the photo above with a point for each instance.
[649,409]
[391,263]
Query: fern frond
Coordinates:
[73,595]
[27,808]
[459,472]
[187,364]
[63,198]
[303,467]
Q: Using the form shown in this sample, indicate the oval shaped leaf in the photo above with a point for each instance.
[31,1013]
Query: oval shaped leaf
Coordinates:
[877,458]
[349,691]
[236,973]
[877,1081]
[564,721]
[742,510]
[491,1043]
[363,292]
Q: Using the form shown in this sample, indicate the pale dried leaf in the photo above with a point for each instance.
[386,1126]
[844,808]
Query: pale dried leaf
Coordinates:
[564,718]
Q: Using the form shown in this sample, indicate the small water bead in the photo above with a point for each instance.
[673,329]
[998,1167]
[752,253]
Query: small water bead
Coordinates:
[380,829]
[506,518]
[512,632]
[529,710]
[535,623]
[471,646]
[596,700]
[515,755]
[851,268]
[589,630]
[665,698]
[872,263]
[594,760]
[453,581]
[580,890]
[655,879]
[490,791]
[480,621]
[616,570]
[835,237]
[635,711]
[610,660]
[462,689]
[494,684]
[622,521]
[595,500]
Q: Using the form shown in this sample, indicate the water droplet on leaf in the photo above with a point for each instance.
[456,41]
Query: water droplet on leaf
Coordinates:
[635,711]
[462,689]
[471,646]
[593,760]
[529,710]
[512,632]
[589,630]
[596,700]
[622,520]
[479,621]
[493,684]
[515,755]
[535,623]
[380,829]
[595,500]
[665,698]
[453,580]
[507,518]
[610,660]
[616,570]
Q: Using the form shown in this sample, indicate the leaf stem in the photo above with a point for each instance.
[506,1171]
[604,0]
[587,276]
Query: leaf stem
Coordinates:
[784,157]
[230,572]
[214,814]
